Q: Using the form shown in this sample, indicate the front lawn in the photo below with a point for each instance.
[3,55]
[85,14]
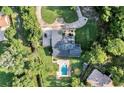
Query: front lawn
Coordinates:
[50,13]
[87,34]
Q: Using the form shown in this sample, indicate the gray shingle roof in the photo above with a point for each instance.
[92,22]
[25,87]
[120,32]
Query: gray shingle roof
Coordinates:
[62,46]
[96,78]
[67,52]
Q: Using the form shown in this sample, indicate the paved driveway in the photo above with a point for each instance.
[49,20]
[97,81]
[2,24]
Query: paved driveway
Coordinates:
[79,23]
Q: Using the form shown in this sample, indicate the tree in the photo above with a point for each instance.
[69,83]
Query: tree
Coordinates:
[73,8]
[31,30]
[117,75]
[96,55]
[7,10]
[117,22]
[10,33]
[3,46]
[115,47]
[106,13]
[15,56]
[75,82]
[24,81]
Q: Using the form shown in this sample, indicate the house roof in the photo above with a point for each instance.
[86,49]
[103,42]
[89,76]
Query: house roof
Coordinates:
[66,47]
[62,45]
[67,50]
[4,20]
[98,79]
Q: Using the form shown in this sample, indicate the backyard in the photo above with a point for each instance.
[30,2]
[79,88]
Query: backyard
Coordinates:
[49,14]
[87,34]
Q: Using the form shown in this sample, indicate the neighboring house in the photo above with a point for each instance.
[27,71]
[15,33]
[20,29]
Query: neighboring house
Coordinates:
[98,79]
[4,24]
[62,43]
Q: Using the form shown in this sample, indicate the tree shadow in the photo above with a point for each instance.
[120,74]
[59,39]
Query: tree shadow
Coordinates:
[48,51]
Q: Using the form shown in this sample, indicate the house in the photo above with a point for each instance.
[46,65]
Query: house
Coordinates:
[98,79]
[62,43]
[4,24]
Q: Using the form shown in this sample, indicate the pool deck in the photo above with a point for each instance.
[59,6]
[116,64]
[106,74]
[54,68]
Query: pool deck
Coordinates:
[60,62]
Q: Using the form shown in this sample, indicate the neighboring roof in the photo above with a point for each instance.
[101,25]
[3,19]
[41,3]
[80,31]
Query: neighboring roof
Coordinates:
[98,79]
[4,20]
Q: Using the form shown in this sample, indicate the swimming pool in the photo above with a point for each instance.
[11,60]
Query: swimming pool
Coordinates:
[64,69]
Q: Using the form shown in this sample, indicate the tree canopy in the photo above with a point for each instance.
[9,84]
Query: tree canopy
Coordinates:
[96,55]
[115,47]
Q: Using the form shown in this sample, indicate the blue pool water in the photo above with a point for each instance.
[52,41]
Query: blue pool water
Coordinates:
[64,69]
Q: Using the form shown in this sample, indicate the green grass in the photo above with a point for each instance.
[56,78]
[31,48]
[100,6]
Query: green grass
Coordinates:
[87,34]
[51,13]
[6,79]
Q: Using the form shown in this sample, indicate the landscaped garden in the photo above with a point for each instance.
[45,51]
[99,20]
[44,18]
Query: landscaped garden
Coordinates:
[49,14]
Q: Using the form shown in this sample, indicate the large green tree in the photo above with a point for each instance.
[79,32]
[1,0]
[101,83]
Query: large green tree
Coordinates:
[115,47]
[30,25]
[75,82]
[96,55]
[106,13]
[117,75]
[7,10]
[117,22]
